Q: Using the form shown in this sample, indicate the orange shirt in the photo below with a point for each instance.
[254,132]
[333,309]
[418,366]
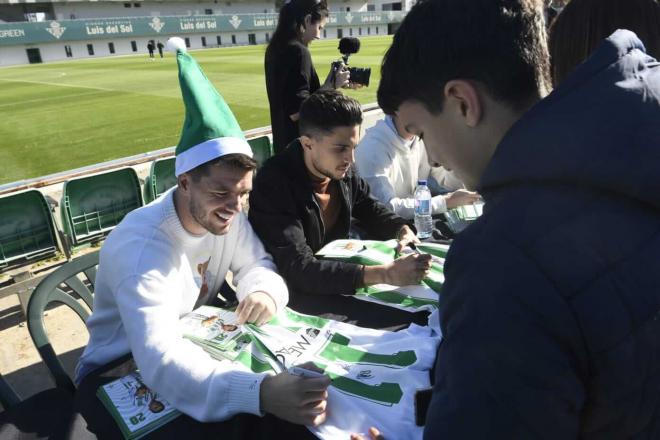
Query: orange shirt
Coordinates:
[326,192]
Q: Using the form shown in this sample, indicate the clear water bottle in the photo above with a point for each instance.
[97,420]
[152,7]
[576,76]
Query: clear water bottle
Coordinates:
[423,219]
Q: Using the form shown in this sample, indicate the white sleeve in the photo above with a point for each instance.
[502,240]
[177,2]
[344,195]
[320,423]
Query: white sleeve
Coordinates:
[438,204]
[253,268]
[376,173]
[382,189]
[182,372]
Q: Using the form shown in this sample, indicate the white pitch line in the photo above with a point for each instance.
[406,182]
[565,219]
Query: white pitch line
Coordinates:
[51,98]
[58,84]
[104,89]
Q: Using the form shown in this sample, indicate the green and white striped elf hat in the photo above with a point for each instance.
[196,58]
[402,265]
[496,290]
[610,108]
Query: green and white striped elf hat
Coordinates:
[210,129]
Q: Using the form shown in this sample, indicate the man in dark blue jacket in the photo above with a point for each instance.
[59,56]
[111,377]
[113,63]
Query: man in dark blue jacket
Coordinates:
[551,308]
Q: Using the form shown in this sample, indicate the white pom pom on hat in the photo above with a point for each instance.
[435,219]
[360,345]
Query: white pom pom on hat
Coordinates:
[176,44]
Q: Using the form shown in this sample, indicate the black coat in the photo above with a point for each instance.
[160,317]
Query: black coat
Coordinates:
[290,78]
[285,215]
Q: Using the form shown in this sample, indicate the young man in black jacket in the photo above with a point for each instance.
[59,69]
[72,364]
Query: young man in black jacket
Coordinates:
[306,196]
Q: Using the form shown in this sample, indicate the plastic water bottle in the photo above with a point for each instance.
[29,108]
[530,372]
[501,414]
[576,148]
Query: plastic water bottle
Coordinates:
[423,220]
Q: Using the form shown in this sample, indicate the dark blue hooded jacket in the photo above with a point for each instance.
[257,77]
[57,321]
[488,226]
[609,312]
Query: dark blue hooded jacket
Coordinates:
[551,306]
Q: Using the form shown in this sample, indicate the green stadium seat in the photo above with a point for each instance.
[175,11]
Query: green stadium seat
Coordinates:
[27,232]
[161,177]
[70,282]
[92,206]
[261,148]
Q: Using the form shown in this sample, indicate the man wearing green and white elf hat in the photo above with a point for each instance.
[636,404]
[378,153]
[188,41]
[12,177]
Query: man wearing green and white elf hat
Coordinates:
[171,256]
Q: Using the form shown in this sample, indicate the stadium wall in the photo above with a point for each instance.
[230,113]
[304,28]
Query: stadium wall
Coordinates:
[89,10]
[85,10]
[28,10]
[22,43]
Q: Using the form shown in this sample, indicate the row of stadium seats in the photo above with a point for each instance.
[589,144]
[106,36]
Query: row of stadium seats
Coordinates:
[91,207]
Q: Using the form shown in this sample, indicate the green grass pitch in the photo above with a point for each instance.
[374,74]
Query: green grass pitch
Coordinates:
[59,116]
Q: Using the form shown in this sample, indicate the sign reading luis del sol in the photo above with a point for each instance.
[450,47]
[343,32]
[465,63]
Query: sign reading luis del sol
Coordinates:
[76,30]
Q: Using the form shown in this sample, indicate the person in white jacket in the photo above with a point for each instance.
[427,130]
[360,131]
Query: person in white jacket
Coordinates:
[392,160]
[171,256]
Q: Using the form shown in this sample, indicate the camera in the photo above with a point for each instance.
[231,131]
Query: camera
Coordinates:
[347,47]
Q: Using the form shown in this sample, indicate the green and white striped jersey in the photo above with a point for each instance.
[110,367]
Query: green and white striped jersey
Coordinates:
[423,296]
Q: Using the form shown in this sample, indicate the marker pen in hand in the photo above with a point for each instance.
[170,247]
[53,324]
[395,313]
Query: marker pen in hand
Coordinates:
[304,372]
[414,248]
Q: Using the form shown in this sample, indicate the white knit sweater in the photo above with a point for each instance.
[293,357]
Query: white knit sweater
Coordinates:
[151,272]
[392,166]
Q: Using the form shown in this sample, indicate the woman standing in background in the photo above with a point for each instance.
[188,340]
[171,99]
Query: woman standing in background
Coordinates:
[290,73]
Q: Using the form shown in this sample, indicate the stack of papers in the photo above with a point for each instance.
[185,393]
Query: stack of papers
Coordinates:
[136,409]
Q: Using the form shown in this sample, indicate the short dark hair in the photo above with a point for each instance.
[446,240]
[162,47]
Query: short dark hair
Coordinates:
[584,24]
[325,110]
[236,160]
[499,43]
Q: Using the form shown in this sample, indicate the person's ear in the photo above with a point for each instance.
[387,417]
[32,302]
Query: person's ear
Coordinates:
[463,97]
[306,142]
[183,182]
[307,22]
